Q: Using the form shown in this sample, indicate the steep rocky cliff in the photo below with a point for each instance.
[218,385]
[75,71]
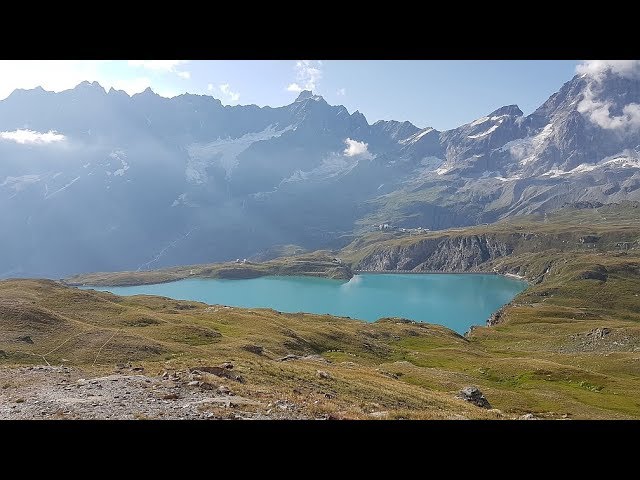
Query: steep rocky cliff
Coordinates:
[515,247]
[448,254]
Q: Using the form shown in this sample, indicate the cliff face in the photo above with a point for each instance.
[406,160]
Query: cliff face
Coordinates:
[449,254]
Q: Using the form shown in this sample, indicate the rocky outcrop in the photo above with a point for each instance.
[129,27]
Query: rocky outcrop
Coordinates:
[495,318]
[597,272]
[475,396]
[449,254]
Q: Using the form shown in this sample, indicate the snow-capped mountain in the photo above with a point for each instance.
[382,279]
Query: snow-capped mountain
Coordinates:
[96,180]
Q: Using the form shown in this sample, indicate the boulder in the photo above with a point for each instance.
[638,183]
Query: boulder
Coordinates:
[475,396]
[528,416]
[599,333]
[219,372]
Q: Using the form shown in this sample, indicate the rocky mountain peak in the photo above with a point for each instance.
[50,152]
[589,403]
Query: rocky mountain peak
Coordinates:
[117,93]
[89,87]
[395,130]
[308,95]
[512,110]
[147,92]
[359,116]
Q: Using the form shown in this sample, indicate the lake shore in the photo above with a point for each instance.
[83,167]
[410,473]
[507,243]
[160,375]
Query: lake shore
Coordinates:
[420,298]
[315,264]
[513,275]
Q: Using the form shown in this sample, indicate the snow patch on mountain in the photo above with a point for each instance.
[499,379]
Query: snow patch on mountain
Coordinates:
[332,166]
[625,159]
[485,133]
[526,150]
[120,156]
[508,179]
[479,121]
[416,136]
[224,153]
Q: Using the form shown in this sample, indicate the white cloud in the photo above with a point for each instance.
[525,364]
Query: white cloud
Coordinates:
[341,92]
[623,68]
[308,74]
[232,96]
[224,89]
[31,137]
[598,110]
[355,148]
[186,75]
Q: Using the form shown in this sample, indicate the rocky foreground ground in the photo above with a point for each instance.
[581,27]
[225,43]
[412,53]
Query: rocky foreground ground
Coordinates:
[46,392]
[57,393]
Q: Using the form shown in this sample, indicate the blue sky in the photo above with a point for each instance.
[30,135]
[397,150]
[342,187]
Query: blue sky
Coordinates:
[441,94]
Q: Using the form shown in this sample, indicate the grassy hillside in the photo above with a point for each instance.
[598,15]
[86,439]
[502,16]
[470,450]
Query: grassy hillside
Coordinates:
[546,358]
[566,347]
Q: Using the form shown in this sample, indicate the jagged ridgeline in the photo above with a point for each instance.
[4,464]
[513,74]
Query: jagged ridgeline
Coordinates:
[100,181]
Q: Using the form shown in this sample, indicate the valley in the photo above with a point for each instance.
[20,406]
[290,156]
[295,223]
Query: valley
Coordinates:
[165,255]
[566,347]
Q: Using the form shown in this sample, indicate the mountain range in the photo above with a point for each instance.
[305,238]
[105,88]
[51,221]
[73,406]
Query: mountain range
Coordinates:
[92,180]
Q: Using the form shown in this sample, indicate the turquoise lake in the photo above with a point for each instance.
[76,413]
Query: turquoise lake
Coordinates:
[453,300]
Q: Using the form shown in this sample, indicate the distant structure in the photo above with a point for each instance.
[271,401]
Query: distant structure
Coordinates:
[414,230]
[386,227]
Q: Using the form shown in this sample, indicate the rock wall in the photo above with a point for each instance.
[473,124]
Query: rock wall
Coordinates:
[447,254]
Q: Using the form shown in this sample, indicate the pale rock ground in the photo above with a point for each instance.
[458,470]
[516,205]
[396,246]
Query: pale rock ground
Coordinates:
[47,392]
